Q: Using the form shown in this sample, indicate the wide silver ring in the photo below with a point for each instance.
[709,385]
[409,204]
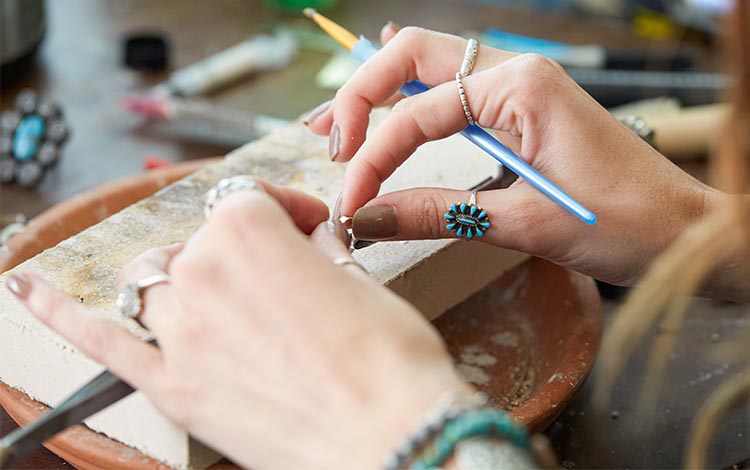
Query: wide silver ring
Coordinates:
[130,295]
[346,261]
[225,187]
[470,55]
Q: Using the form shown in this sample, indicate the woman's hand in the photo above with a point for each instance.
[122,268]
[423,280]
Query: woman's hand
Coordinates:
[643,201]
[268,352]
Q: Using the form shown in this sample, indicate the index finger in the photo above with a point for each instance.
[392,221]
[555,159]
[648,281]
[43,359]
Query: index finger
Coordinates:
[305,210]
[412,54]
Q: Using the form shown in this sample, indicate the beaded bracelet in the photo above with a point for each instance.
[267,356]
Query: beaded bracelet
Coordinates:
[449,406]
[468,424]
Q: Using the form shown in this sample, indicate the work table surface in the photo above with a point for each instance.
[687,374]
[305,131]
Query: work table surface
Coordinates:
[80,66]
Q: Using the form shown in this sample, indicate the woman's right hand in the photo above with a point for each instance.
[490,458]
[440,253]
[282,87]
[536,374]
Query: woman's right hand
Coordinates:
[642,201]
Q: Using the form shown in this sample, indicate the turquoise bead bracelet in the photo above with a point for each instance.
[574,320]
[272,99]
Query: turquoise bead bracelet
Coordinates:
[471,423]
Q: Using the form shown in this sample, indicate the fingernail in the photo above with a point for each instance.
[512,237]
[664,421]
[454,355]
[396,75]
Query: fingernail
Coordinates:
[336,214]
[315,113]
[339,231]
[19,284]
[375,223]
[334,142]
[392,26]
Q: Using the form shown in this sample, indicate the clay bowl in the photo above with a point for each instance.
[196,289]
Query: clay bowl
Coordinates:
[528,340]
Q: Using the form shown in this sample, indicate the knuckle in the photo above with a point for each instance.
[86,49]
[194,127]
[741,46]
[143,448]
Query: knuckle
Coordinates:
[410,35]
[93,342]
[239,212]
[537,63]
[431,211]
[189,270]
[405,111]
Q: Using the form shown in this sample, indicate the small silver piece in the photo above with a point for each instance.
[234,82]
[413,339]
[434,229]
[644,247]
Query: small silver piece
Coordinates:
[346,261]
[473,198]
[130,296]
[638,125]
[464,101]
[472,47]
[226,186]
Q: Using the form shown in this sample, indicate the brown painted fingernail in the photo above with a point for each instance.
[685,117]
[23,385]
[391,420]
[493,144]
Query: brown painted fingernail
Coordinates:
[334,142]
[375,223]
[316,113]
[19,284]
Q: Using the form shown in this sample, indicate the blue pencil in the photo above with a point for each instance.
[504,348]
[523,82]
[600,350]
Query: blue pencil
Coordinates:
[362,49]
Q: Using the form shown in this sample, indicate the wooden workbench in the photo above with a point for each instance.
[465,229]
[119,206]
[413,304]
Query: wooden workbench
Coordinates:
[80,66]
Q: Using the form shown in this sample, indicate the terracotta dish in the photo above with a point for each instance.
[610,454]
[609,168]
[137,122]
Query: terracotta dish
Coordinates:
[528,340]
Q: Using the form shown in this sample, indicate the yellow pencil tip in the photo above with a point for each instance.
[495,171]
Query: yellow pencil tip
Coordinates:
[341,35]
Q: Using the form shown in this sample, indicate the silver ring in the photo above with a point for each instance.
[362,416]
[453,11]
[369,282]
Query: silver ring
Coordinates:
[472,47]
[464,101]
[225,187]
[467,64]
[130,296]
[346,261]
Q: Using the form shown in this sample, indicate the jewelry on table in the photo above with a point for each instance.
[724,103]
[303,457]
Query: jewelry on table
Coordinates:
[130,296]
[467,220]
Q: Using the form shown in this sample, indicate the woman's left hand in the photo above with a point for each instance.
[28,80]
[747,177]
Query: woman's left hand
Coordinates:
[268,352]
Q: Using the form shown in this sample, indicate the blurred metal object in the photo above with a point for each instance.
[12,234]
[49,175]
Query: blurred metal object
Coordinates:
[31,135]
[22,27]
[10,226]
[638,125]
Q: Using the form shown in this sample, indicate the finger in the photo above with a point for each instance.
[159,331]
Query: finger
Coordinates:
[420,214]
[306,211]
[388,31]
[152,261]
[432,115]
[158,300]
[332,238]
[136,362]
[328,239]
[413,54]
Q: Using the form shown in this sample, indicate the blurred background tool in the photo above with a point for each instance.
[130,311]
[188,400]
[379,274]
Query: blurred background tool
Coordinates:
[617,87]
[255,54]
[590,55]
[201,120]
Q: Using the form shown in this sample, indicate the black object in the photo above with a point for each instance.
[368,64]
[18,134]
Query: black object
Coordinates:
[146,52]
[624,59]
[101,392]
[616,87]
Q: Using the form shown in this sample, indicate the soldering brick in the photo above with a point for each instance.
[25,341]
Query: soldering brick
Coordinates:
[433,275]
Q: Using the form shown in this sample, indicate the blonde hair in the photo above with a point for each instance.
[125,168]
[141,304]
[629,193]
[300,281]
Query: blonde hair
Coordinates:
[664,292]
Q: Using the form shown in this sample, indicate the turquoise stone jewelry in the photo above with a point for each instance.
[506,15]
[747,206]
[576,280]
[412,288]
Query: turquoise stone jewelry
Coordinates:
[467,220]
[486,422]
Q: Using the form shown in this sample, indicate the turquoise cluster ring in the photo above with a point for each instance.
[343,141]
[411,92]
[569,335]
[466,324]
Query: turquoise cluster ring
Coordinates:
[467,220]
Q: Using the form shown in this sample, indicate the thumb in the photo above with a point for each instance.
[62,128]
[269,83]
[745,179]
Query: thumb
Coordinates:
[434,213]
